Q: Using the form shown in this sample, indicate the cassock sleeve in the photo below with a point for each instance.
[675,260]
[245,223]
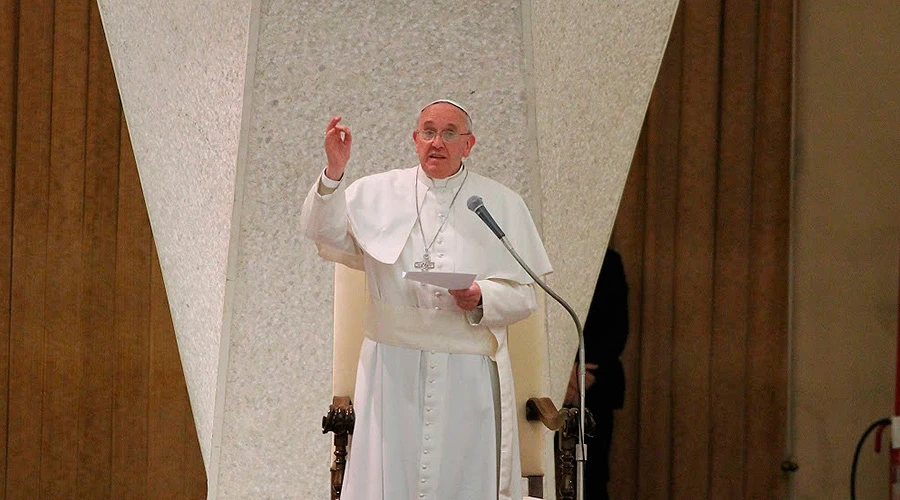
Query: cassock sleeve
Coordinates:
[324,221]
[503,303]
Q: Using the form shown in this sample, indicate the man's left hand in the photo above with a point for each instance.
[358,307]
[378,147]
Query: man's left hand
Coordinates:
[573,395]
[468,298]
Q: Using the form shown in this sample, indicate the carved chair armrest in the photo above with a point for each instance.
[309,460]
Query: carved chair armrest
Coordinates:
[340,417]
[544,410]
[565,422]
[339,420]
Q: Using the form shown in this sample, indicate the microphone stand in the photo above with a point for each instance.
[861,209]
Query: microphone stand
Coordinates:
[581,447]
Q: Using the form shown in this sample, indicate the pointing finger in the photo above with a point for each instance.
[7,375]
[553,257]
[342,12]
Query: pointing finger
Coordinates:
[331,123]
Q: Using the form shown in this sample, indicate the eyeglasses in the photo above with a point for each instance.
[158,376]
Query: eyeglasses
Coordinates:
[446,136]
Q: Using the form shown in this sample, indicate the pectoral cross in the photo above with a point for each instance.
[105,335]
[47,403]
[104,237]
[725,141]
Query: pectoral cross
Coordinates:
[425,264]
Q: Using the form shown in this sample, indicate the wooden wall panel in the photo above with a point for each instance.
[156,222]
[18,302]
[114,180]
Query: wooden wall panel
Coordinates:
[101,200]
[132,346]
[736,133]
[80,287]
[706,260]
[195,487]
[767,346]
[165,457]
[62,351]
[694,249]
[655,458]
[628,240]
[29,244]
[9,21]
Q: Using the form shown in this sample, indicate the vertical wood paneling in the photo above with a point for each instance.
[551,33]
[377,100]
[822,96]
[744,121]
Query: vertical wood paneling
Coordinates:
[628,240]
[9,20]
[694,244]
[710,321]
[166,410]
[29,243]
[732,249]
[80,288]
[194,471]
[131,383]
[654,461]
[99,246]
[767,339]
[62,363]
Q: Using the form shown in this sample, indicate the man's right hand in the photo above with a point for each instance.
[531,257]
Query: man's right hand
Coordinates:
[337,148]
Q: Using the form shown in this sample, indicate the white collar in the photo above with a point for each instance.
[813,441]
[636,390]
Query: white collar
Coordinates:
[449,182]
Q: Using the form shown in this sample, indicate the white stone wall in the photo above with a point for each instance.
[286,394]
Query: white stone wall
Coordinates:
[557,92]
[180,67]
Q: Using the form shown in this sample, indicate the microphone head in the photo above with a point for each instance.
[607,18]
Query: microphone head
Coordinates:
[474,202]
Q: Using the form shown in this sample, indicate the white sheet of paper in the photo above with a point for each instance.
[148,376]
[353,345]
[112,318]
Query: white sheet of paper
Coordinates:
[450,281]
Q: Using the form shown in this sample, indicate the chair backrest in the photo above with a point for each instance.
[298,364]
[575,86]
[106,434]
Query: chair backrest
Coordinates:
[527,347]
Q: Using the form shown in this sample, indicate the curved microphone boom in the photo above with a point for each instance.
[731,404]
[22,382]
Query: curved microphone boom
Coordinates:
[476,204]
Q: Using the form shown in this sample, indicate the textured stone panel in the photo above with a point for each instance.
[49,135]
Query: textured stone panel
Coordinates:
[557,92]
[594,68]
[374,64]
[180,68]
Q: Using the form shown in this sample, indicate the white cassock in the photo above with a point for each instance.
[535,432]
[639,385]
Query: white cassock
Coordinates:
[434,399]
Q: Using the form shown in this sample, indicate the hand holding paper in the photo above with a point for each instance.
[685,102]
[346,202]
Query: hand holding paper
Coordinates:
[450,281]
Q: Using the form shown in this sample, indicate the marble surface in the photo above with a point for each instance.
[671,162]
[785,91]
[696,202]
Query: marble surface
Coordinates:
[557,92]
[181,72]
[594,68]
[593,73]
[375,65]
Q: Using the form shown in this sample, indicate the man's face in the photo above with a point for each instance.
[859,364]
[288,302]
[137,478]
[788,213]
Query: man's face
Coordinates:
[440,159]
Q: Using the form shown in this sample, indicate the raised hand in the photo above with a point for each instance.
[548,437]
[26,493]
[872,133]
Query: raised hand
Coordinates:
[337,148]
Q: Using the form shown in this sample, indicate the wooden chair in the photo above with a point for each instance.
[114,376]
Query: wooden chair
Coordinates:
[528,352]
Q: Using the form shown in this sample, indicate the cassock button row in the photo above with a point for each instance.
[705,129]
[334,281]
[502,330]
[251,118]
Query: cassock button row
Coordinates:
[437,294]
[437,308]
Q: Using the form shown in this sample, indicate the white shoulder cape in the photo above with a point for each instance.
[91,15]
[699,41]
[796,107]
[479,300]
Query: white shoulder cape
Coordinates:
[381,210]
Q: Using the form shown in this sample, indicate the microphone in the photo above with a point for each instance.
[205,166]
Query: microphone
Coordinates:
[476,204]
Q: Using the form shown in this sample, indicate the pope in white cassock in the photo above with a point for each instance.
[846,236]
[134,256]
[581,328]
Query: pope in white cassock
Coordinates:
[434,400]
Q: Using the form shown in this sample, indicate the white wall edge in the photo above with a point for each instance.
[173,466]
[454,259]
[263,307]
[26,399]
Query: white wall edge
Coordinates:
[234,254]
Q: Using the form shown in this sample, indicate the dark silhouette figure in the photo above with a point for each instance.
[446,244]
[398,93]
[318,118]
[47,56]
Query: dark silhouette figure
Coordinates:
[605,334]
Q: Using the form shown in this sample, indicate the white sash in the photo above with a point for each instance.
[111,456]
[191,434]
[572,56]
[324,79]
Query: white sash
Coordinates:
[428,330]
